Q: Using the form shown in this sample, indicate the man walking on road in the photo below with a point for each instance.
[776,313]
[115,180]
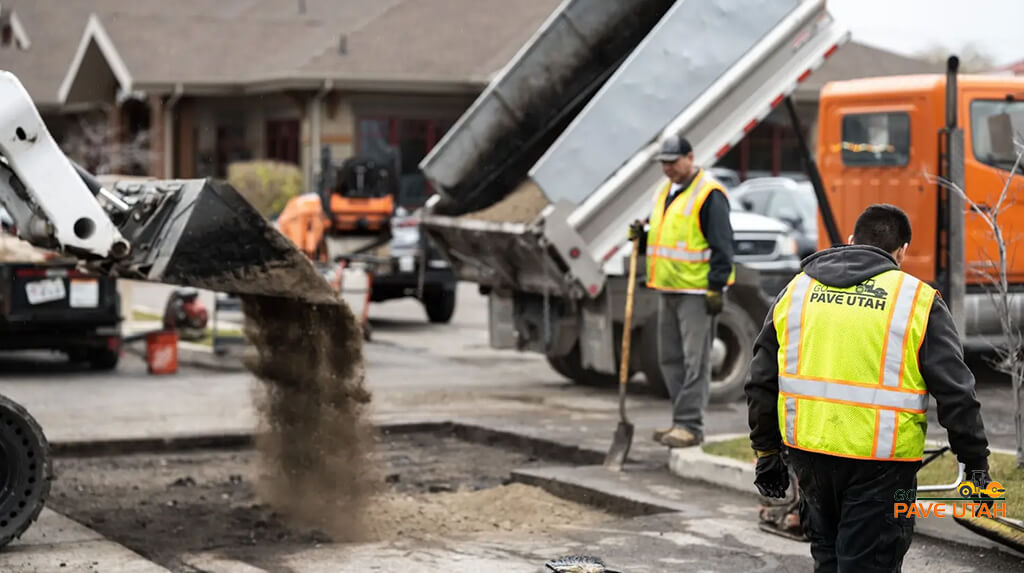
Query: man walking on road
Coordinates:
[839,388]
[689,249]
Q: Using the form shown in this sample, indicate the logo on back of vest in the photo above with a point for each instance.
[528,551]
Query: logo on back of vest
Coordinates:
[865,295]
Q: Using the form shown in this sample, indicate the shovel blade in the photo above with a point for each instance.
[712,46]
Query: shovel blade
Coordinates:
[621,442]
[206,235]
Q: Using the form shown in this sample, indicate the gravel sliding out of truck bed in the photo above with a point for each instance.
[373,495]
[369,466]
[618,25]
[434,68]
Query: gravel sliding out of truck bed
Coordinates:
[521,206]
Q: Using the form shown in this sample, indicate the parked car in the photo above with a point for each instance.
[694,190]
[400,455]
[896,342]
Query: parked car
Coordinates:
[792,202]
[726,177]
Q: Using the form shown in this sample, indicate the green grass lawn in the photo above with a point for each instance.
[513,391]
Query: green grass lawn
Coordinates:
[142,316]
[1003,468]
[206,340]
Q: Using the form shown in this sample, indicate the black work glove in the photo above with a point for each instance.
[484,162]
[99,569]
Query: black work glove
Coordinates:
[771,475]
[636,230]
[713,302]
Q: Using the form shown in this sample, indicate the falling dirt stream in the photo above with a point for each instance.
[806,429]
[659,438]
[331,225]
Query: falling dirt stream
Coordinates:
[314,436]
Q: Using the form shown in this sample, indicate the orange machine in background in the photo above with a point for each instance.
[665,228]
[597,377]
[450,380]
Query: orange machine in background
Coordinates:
[352,212]
[881,140]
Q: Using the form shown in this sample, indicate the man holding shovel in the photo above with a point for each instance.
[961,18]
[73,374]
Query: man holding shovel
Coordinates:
[689,248]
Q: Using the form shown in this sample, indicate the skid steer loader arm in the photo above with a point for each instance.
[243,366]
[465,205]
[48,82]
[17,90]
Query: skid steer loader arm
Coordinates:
[198,232]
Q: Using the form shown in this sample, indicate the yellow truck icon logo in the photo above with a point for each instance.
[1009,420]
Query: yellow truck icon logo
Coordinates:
[968,489]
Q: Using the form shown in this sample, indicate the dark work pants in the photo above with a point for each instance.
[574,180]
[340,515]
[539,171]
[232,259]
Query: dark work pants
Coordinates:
[686,333]
[848,505]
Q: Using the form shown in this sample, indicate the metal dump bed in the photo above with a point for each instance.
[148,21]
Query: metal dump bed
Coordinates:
[710,69]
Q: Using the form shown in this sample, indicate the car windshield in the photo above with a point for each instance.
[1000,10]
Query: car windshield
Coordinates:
[994,125]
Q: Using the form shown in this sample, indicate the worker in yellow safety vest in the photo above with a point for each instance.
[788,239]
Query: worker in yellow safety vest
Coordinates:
[689,247]
[839,387]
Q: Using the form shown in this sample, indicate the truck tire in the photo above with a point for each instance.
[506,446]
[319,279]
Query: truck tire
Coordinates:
[104,359]
[25,470]
[731,356]
[571,367]
[440,305]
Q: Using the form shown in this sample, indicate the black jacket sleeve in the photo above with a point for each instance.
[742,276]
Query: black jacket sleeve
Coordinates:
[951,383]
[762,388]
[717,229]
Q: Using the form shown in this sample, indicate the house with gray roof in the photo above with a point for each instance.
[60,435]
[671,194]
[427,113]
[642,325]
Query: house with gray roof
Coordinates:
[183,88]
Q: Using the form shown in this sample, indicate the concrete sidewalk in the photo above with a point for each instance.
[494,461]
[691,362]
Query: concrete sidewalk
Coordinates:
[56,543]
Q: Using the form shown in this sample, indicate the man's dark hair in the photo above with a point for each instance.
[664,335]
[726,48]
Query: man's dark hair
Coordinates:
[884,226]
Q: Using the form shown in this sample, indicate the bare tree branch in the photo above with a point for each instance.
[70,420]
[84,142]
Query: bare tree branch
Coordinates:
[1009,355]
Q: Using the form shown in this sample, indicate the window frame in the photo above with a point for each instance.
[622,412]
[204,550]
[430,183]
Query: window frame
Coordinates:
[888,112]
[973,132]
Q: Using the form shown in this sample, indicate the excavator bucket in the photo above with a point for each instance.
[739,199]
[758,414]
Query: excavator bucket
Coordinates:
[203,233]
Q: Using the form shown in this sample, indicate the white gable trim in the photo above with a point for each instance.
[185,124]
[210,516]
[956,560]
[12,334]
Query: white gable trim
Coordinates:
[20,34]
[94,32]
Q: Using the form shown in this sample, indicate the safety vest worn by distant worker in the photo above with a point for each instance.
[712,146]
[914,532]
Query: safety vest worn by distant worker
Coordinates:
[849,380]
[678,257]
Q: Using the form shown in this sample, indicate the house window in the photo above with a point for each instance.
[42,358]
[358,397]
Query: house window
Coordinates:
[402,143]
[283,140]
[876,139]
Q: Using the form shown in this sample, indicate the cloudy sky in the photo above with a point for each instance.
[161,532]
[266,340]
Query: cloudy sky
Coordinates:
[908,26]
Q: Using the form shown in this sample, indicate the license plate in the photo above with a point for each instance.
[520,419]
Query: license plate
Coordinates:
[40,292]
[85,293]
[406,264]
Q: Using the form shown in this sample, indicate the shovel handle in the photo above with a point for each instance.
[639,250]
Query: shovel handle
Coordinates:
[628,324]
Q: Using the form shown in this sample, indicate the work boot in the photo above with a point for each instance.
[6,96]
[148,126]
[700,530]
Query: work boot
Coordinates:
[659,434]
[680,438]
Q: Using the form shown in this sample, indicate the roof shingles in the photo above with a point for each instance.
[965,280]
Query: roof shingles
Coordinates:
[240,42]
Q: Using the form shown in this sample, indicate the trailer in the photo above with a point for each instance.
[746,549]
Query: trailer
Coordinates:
[540,178]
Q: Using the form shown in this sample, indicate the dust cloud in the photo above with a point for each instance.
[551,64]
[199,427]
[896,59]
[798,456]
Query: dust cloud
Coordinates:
[314,437]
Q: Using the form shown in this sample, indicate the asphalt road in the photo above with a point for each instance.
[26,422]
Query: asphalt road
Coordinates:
[419,371]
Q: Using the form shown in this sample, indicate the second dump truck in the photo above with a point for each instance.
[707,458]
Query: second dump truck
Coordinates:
[540,178]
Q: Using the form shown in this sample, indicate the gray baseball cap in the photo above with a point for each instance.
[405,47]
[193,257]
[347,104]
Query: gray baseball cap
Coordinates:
[674,147]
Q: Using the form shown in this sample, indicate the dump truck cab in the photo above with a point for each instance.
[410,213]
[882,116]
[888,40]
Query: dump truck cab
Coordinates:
[880,140]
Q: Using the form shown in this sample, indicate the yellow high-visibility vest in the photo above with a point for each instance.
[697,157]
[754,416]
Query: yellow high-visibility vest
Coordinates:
[849,380]
[678,257]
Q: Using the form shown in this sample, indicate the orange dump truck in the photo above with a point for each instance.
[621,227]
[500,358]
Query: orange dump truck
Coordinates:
[887,140]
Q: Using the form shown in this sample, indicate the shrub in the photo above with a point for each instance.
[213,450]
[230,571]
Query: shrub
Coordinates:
[268,185]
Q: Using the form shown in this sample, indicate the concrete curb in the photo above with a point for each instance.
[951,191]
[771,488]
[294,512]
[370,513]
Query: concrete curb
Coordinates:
[694,464]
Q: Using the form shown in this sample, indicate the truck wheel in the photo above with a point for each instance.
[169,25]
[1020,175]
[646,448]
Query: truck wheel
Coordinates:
[440,306]
[25,471]
[730,356]
[104,359]
[571,367]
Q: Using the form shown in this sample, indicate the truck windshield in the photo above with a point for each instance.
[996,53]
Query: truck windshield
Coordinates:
[994,126]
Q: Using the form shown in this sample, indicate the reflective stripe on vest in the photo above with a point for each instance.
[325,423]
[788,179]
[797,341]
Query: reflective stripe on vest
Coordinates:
[852,377]
[678,254]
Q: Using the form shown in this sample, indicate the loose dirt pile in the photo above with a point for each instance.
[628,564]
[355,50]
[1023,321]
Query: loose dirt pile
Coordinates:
[509,508]
[521,206]
[314,438]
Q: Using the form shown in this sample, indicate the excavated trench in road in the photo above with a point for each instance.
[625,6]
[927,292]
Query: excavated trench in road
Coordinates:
[447,482]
